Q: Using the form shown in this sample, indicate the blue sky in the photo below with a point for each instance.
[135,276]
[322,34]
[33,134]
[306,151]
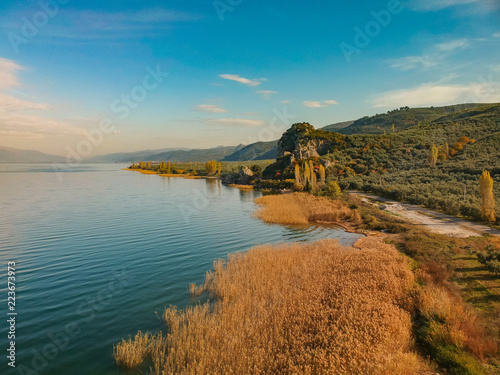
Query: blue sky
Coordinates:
[230,71]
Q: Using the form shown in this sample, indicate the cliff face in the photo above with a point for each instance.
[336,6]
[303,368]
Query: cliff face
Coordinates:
[303,142]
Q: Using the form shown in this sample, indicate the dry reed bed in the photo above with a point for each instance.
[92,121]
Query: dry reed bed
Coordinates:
[316,308]
[303,208]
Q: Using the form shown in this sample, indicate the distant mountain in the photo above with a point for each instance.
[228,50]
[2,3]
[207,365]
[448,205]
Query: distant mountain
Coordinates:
[402,118]
[126,157]
[12,155]
[337,127]
[255,151]
[200,155]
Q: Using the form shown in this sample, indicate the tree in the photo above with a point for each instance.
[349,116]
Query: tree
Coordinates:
[211,167]
[333,189]
[393,128]
[306,174]
[322,174]
[433,155]
[168,168]
[312,176]
[297,173]
[219,168]
[487,197]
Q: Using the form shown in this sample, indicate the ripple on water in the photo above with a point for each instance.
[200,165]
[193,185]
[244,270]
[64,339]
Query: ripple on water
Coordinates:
[70,240]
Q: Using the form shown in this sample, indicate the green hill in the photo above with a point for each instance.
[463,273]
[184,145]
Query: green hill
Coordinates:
[397,165]
[402,118]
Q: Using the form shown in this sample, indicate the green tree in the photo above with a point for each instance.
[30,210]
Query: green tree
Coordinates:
[333,189]
[487,197]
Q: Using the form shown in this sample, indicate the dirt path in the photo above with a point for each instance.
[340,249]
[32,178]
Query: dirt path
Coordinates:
[434,221]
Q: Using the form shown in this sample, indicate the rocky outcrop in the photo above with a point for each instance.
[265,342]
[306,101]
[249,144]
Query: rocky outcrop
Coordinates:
[244,177]
[304,142]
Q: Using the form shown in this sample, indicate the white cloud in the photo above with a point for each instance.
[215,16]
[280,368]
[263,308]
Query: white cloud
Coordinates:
[9,73]
[440,52]
[17,124]
[413,62]
[212,108]
[233,122]
[317,104]
[433,5]
[438,93]
[497,35]
[285,101]
[11,103]
[237,78]
[452,45]
[16,115]
[266,94]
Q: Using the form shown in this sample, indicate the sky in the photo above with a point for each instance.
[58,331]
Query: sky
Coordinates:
[96,77]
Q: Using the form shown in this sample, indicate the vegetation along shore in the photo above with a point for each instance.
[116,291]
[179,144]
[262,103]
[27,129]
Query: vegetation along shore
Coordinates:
[402,300]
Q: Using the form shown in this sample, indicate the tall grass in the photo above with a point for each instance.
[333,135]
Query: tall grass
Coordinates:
[303,208]
[316,308]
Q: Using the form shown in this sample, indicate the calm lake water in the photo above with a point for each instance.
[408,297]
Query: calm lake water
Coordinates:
[100,252]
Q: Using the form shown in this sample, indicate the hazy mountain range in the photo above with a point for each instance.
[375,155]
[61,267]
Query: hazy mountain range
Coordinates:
[377,124]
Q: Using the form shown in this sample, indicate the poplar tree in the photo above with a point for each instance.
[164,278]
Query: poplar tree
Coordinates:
[322,174]
[219,168]
[168,168]
[297,173]
[306,174]
[313,174]
[487,197]
[433,155]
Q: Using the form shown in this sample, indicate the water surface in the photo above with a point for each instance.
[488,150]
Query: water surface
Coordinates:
[99,251]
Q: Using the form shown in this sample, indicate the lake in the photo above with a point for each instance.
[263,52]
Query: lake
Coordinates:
[101,252]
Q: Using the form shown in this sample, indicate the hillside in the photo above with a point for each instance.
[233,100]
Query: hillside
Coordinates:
[397,165]
[12,155]
[402,119]
[337,127]
[255,151]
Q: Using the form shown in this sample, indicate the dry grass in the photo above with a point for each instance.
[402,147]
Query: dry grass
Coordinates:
[191,177]
[314,308]
[451,321]
[171,175]
[131,353]
[303,208]
[241,187]
[145,171]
